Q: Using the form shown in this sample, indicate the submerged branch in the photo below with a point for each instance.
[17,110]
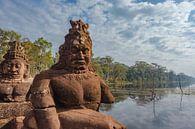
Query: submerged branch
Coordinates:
[180,86]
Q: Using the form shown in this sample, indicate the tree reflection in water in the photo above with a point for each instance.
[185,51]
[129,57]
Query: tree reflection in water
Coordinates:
[164,108]
[140,96]
[180,105]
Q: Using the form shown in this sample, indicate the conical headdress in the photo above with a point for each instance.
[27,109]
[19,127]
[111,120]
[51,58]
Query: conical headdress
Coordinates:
[16,51]
[77,32]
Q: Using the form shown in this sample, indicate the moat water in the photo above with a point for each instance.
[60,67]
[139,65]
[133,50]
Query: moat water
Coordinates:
[166,109]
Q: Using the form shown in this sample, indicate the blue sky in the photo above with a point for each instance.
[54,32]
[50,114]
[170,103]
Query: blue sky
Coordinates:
[160,31]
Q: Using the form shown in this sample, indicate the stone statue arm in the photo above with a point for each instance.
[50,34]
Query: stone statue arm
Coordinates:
[106,95]
[43,103]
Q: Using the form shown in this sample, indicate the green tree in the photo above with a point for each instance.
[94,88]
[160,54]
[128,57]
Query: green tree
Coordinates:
[97,66]
[44,57]
[160,73]
[39,54]
[119,72]
[106,64]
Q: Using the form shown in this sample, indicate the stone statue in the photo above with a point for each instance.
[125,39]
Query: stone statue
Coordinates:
[14,83]
[68,95]
[14,86]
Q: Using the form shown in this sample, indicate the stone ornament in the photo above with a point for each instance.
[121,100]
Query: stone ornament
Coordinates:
[14,80]
[68,95]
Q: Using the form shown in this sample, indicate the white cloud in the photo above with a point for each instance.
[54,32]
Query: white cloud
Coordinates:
[163,33]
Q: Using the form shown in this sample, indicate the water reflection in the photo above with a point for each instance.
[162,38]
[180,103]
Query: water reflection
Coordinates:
[164,109]
[140,96]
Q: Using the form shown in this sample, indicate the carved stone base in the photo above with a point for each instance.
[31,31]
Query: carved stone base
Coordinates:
[12,113]
[3,122]
[14,109]
[16,123]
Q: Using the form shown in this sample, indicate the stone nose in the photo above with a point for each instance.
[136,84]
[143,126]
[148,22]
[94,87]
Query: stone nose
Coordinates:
[13,68]
[81,55]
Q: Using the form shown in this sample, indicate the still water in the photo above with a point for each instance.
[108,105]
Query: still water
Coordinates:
[167,110]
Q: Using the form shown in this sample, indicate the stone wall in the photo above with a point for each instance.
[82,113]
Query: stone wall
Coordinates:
[11,113]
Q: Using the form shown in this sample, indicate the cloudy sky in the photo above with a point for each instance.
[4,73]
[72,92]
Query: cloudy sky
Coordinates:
[159,31]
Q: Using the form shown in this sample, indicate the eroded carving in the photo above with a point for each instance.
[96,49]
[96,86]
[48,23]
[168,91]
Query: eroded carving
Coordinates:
[14,85]
[14,80]
[69,94]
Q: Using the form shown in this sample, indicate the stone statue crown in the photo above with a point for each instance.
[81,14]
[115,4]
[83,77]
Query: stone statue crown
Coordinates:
[78,27]
[16,51]
[78,32]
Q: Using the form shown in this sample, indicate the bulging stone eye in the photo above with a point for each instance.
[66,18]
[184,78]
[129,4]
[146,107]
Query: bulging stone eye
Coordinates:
[18,65]
[8,66]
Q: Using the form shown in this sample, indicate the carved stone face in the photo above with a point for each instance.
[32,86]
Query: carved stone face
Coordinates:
[80,56]
[14,68]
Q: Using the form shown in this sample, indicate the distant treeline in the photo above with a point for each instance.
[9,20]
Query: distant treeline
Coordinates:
[141,75]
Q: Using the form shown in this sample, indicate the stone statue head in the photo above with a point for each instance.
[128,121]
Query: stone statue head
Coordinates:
[76,52]
[15,66]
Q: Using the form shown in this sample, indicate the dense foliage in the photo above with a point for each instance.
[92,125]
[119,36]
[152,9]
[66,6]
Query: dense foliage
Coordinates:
[142,74]
[112,72]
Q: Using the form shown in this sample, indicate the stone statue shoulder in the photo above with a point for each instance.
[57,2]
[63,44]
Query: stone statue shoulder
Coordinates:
[39,82]
[40,93]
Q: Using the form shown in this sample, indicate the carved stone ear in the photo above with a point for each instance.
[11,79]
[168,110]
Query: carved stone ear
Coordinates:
[2,69]
[27,71]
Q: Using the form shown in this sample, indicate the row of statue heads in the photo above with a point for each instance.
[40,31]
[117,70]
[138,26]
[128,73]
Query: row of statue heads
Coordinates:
[15,64]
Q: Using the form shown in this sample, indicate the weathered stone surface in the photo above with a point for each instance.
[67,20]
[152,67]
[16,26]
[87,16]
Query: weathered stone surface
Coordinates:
[14,86]
[15,109]
[14,80]
[12,114]
[87,119]
[15,123]
[80,119]
[4,122]
[62,94]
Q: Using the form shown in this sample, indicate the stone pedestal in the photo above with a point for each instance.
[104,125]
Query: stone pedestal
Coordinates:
[12,114]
